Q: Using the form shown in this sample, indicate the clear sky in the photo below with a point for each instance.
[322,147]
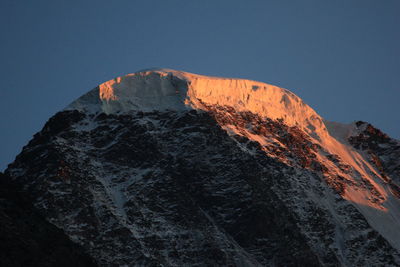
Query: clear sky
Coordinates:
[341,57]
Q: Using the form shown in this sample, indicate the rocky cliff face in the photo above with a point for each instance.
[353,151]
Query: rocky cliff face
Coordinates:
[27,239]
[382,151]
[210,179]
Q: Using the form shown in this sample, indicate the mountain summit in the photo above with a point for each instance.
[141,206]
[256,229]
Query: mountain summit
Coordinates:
[164,167]
[165,89]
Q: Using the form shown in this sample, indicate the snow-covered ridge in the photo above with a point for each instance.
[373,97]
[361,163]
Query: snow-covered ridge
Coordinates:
[165,89]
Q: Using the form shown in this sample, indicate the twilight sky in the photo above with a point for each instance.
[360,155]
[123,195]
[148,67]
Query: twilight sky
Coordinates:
[341,57]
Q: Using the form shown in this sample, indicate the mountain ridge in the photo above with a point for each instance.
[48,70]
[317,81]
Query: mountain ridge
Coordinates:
[116,173]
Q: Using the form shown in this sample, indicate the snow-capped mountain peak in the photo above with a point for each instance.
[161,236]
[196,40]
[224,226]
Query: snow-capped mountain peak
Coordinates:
[166,89]
[172,168]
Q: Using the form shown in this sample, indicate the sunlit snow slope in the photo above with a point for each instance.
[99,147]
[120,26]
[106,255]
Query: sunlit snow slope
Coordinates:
[162,89]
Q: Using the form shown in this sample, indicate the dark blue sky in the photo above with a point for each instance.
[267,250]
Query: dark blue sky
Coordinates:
[342,57]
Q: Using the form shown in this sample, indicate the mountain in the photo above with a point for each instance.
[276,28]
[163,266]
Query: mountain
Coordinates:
[163,167]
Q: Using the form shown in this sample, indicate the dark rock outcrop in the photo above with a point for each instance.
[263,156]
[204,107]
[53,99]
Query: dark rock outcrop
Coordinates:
[27,239]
